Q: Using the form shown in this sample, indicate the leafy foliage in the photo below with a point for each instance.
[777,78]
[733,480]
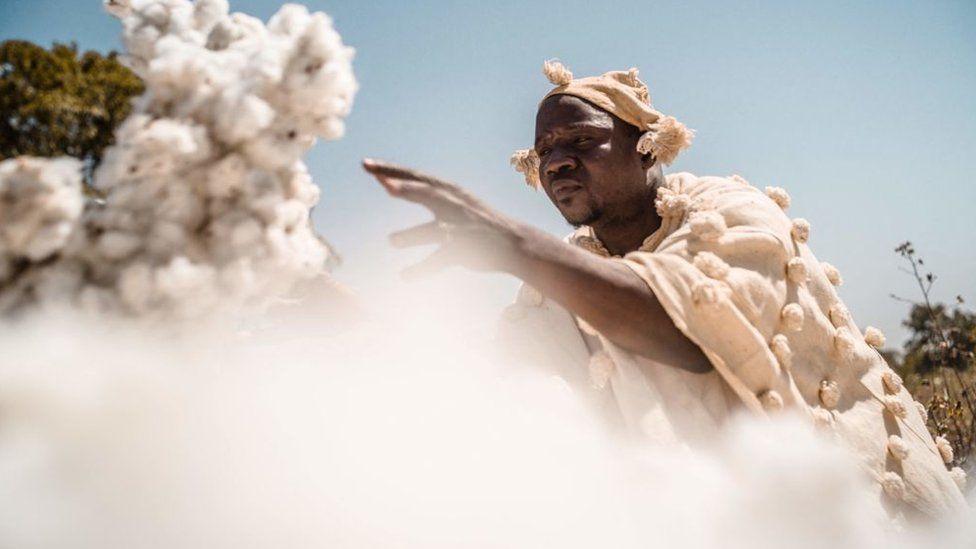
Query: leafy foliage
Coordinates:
[55,102]
[939,364]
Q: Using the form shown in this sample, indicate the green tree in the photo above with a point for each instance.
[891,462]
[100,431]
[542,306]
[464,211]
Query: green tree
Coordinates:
[55,102]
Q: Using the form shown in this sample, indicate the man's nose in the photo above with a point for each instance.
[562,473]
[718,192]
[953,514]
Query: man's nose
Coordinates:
[559,162]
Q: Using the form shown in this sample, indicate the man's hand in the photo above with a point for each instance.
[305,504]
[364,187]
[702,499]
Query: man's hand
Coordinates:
[468,231]
[604,293]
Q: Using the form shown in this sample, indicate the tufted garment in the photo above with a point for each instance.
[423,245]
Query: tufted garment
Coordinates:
[737,277]
[766,313]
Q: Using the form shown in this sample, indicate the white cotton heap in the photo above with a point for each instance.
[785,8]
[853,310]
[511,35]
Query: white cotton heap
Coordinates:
[40,205]
[207,200]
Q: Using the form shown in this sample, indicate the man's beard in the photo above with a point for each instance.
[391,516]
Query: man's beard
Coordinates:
[589,216]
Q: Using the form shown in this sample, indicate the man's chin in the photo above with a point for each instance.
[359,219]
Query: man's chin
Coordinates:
[580,218]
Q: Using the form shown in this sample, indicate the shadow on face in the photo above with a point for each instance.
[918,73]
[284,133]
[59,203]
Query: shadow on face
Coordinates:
[589,165]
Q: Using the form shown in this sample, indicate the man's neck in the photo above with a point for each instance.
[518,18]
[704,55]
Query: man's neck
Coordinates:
[621,238]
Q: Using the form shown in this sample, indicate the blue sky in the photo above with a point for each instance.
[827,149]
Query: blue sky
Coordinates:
[864,111]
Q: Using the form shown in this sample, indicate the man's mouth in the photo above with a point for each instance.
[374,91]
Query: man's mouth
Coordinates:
[564,188]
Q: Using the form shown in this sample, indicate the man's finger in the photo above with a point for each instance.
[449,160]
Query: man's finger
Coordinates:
[434,263]
[392,171]
[427,233]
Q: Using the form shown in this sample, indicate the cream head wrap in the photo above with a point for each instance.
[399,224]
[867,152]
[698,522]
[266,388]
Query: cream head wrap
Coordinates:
[622,94]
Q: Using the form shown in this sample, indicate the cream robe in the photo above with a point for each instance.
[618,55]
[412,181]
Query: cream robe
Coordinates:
[725,265]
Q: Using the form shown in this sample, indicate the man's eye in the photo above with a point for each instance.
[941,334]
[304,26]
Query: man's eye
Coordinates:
[543,152]
[582,140]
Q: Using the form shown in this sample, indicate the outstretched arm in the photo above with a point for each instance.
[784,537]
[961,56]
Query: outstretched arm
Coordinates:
[604,293]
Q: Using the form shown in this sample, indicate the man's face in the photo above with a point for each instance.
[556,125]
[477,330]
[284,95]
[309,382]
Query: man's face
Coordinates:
[589,164]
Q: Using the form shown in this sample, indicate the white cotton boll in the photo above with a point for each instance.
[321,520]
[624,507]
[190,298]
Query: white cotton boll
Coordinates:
[299,186]
[208,12]
[181,278]
[893,485]
[792,316]
[707,225]
[225,177]
[779,196]
[780,346]
[155,13]
[290,20]
[181,205]
[832,274]
[278,147]
[222,34]
[874,337]
[40,202]
[117,245]
[166,238]
[48,240]
[897,447]
[896,406]
[945,449]
[711,265]
[241,118]
[246,234]
[796,270]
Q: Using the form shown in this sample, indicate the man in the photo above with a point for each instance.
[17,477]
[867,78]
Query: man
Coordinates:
[691,297]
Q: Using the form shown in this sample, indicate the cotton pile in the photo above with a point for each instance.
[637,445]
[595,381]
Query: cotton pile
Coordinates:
[206,199]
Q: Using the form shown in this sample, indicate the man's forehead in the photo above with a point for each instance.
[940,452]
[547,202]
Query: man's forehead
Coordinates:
[566,113]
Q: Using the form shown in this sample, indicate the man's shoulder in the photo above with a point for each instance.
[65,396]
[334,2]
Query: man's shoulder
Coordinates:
[738,202]
[695,186]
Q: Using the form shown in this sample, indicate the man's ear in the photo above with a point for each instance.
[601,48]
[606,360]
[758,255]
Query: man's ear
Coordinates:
[647,161]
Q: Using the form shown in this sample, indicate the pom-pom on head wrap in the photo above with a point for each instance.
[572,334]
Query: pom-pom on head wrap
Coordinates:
[624,95]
